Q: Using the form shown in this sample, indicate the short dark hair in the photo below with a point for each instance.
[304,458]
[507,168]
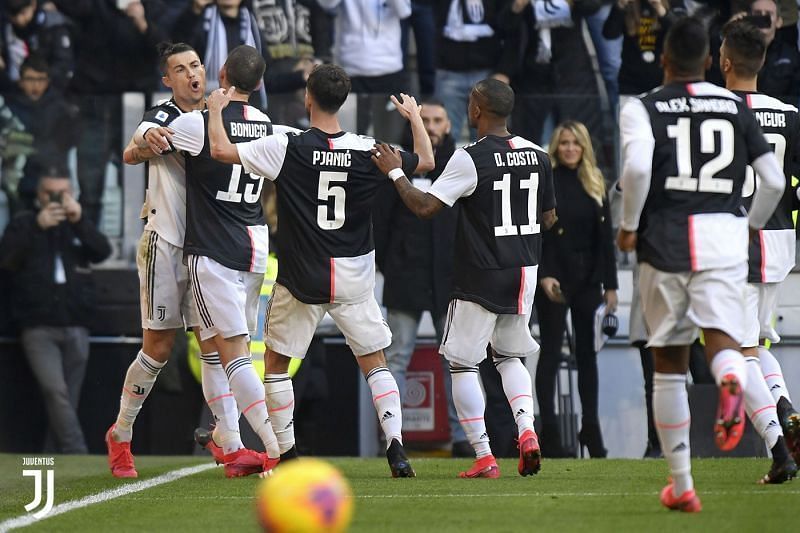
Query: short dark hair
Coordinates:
[498,97]
[167,49]
[13,7]
[34,62]
[329,85]
[686,46]
[746,46]
[245,68]
[431,101]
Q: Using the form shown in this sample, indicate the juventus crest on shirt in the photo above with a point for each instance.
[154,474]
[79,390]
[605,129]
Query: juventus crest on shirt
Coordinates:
[503,184]
[772,251]
[702,138]
[224,219]
[326,184]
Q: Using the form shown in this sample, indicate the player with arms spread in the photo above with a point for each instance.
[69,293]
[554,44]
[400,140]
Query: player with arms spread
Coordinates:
[772,250]
[505,186]
[685,148]
[167,305]
[226,248]
[326,184]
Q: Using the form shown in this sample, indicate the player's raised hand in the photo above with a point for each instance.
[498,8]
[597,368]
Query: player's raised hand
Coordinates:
[219,99]
[408,108]
[626,240]
[159,139]
[386,158]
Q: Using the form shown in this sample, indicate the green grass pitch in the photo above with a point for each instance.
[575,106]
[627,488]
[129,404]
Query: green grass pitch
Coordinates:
[567,495]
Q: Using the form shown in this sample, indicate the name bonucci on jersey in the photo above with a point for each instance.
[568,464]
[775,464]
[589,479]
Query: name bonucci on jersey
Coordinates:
[165,198]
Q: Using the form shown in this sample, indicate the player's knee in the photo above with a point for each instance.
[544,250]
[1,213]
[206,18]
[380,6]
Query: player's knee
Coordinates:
[276,363]
[158,344]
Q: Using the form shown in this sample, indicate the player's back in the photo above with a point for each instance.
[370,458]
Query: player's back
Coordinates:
[772,252]
[225,220]
[165,201]
[325,193]
[703,138]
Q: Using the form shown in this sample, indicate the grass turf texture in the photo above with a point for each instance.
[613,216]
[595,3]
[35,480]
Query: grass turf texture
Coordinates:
[568,495]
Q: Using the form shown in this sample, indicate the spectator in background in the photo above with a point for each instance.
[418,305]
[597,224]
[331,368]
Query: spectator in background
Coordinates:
[780,75]
[609,52]
[116,53]
[578,273]
[642,24]
[547,63]
[416,259]
[48,254]
[423,22]
[214,27]
[27,28]
[468,50]
[46,115]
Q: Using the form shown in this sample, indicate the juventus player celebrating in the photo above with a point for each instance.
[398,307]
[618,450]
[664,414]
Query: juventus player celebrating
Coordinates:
[685,148]
[772,250]
[325,186]
[505,185]
[226,246]
[170,307]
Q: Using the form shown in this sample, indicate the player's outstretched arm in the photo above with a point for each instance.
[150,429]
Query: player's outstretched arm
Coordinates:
[222,149]
[422,142]
[420,203]
[134,155]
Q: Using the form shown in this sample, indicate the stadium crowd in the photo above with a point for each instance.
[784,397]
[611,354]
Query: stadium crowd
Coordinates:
[65,64]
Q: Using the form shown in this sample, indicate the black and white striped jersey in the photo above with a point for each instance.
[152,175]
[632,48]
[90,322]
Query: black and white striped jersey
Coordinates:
[772,251]
[325,186]
[224,219]
[685,148]
[503,185]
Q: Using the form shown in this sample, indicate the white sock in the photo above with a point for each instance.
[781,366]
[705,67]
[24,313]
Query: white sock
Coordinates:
[773,374]
[280,403]
[729,362]
[760,405]
[138,383]
[672,419]
[519,390]
[220,400]
[470,406]
[386,398]
[249,394]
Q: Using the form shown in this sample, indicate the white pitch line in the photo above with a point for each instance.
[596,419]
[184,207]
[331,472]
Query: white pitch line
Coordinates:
[106,495]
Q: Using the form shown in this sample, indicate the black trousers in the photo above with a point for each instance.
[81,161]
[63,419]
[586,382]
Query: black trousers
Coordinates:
[552,323]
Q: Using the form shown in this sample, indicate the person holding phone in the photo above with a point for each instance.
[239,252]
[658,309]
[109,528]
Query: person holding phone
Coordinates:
[578,273]
[48,254]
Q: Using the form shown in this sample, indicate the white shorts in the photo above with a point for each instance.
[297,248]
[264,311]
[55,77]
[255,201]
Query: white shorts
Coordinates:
[761,302]
[291,324]
[470,327]
[227,299]
[676,304]
[165,297]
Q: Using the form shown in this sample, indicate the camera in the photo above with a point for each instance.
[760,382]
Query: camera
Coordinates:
[56,196]
[759,21]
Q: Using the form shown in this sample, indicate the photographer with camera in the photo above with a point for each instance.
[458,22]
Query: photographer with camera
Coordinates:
[48,253]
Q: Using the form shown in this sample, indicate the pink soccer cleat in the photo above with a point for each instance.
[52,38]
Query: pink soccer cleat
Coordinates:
[244,462]
[729,427]
[530,455]
[483,467]
[120,458]
[688,502]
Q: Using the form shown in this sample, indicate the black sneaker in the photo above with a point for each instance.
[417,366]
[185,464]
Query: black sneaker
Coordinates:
[289,454]
[790,422]
[398,461]
[780,472]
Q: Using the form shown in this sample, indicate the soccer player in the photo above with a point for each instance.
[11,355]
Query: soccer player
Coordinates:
[226,246]
[325,185]
[166,301]
[772,250]
[685,148]
[505,187]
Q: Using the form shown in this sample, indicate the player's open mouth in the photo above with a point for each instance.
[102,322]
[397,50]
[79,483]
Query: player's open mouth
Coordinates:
[195,85]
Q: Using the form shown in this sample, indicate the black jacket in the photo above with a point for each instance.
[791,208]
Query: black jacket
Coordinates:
[780,75]
[28,254]
[564,255]
[464,56]
[414,255]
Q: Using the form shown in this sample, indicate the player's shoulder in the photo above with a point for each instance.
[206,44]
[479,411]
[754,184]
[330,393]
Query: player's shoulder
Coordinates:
[254,114]
[758,101]
[163,112]
[351,141]
[704,88]
[516,143]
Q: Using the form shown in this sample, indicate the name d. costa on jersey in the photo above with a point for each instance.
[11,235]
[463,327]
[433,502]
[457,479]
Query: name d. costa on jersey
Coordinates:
[515,159]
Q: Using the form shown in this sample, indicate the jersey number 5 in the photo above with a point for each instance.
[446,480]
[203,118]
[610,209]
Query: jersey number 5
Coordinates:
[252,193]
[327,191]
[685,180]
[507,228]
